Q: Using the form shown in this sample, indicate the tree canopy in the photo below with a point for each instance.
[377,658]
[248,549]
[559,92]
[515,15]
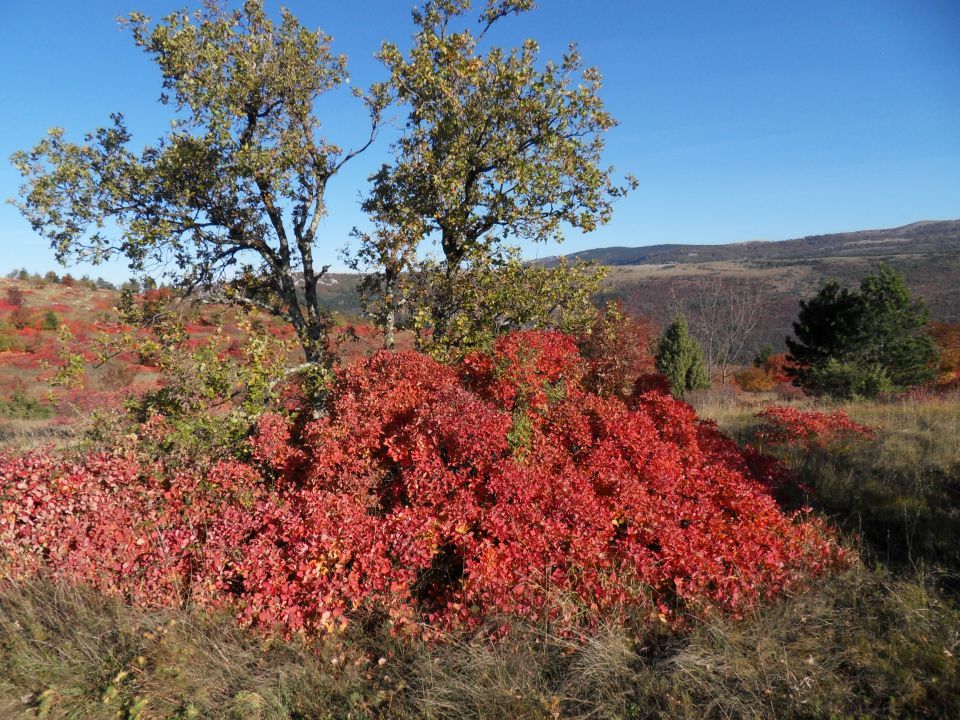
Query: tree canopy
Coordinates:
[680,358]
[231,197]
[495,146]
[859,342]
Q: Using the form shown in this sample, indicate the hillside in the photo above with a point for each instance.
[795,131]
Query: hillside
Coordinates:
[653,280]
[920,238]
[42,321]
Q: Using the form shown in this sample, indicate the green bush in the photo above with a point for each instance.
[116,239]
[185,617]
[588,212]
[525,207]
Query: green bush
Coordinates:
[21,407]
[51,321]
[849,380]
[680,358]
[8,341]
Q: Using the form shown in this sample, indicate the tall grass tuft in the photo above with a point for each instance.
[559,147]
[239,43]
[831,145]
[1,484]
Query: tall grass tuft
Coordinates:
[865,644]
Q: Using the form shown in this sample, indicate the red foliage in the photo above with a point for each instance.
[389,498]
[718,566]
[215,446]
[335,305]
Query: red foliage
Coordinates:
[947,338]
[619,349]
[788,391]
[771,375]
[20,318]
[14,297]
[431,492]
[776,367]
[157,296]
[789,426]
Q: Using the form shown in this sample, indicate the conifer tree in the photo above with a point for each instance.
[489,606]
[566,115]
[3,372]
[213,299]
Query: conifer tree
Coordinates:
[862,342]
[680,358]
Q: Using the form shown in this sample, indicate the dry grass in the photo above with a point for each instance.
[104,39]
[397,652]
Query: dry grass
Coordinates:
[786,278]
[861,645]
[923,430]
[28,434]
[529,674]
[915,432]
[68,653]
[901,493]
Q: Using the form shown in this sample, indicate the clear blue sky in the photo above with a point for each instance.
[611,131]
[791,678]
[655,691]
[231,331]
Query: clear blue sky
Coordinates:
[742,120]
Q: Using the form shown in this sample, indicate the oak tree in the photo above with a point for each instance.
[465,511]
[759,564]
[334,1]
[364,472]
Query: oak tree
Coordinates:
[496,148]
[496,293]
[232,196]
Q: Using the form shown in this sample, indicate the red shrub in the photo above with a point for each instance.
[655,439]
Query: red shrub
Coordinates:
[776,366]
[618,349]
[788,391]
[788,426]
[947,338]
[20,318]
[157,296]
[118,376]
[433,492]
[14,297]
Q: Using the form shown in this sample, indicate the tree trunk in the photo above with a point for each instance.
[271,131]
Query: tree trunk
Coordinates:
[389,323]
[389,319]
[316,340]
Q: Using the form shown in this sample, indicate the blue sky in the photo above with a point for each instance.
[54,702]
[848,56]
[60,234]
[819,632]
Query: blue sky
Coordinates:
[741,120]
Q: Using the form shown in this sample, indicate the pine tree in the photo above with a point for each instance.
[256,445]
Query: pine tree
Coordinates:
[862,342]
[762,356]
[680,358]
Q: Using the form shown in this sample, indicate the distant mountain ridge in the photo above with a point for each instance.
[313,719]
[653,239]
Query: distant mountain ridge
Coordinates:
[924,237]
[652,280]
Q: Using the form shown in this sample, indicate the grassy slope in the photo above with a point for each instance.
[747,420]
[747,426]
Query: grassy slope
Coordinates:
[878,641]
[865,644]
[901,493]
[29,356]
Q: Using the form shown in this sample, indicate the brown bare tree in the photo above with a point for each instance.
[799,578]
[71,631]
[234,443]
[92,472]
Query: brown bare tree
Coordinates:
[723,312]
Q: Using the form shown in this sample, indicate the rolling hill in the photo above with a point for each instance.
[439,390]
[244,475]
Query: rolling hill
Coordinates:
[929,238]
[654,280]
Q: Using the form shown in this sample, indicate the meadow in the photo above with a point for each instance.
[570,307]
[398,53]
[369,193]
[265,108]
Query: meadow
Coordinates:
[507,487]
[875,634]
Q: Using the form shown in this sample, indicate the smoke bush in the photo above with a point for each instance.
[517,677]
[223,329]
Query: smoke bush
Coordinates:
[431,496]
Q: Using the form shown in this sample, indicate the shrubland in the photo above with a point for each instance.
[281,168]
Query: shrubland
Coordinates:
[517,534]
[429,495]
[516,522]
[118,353]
